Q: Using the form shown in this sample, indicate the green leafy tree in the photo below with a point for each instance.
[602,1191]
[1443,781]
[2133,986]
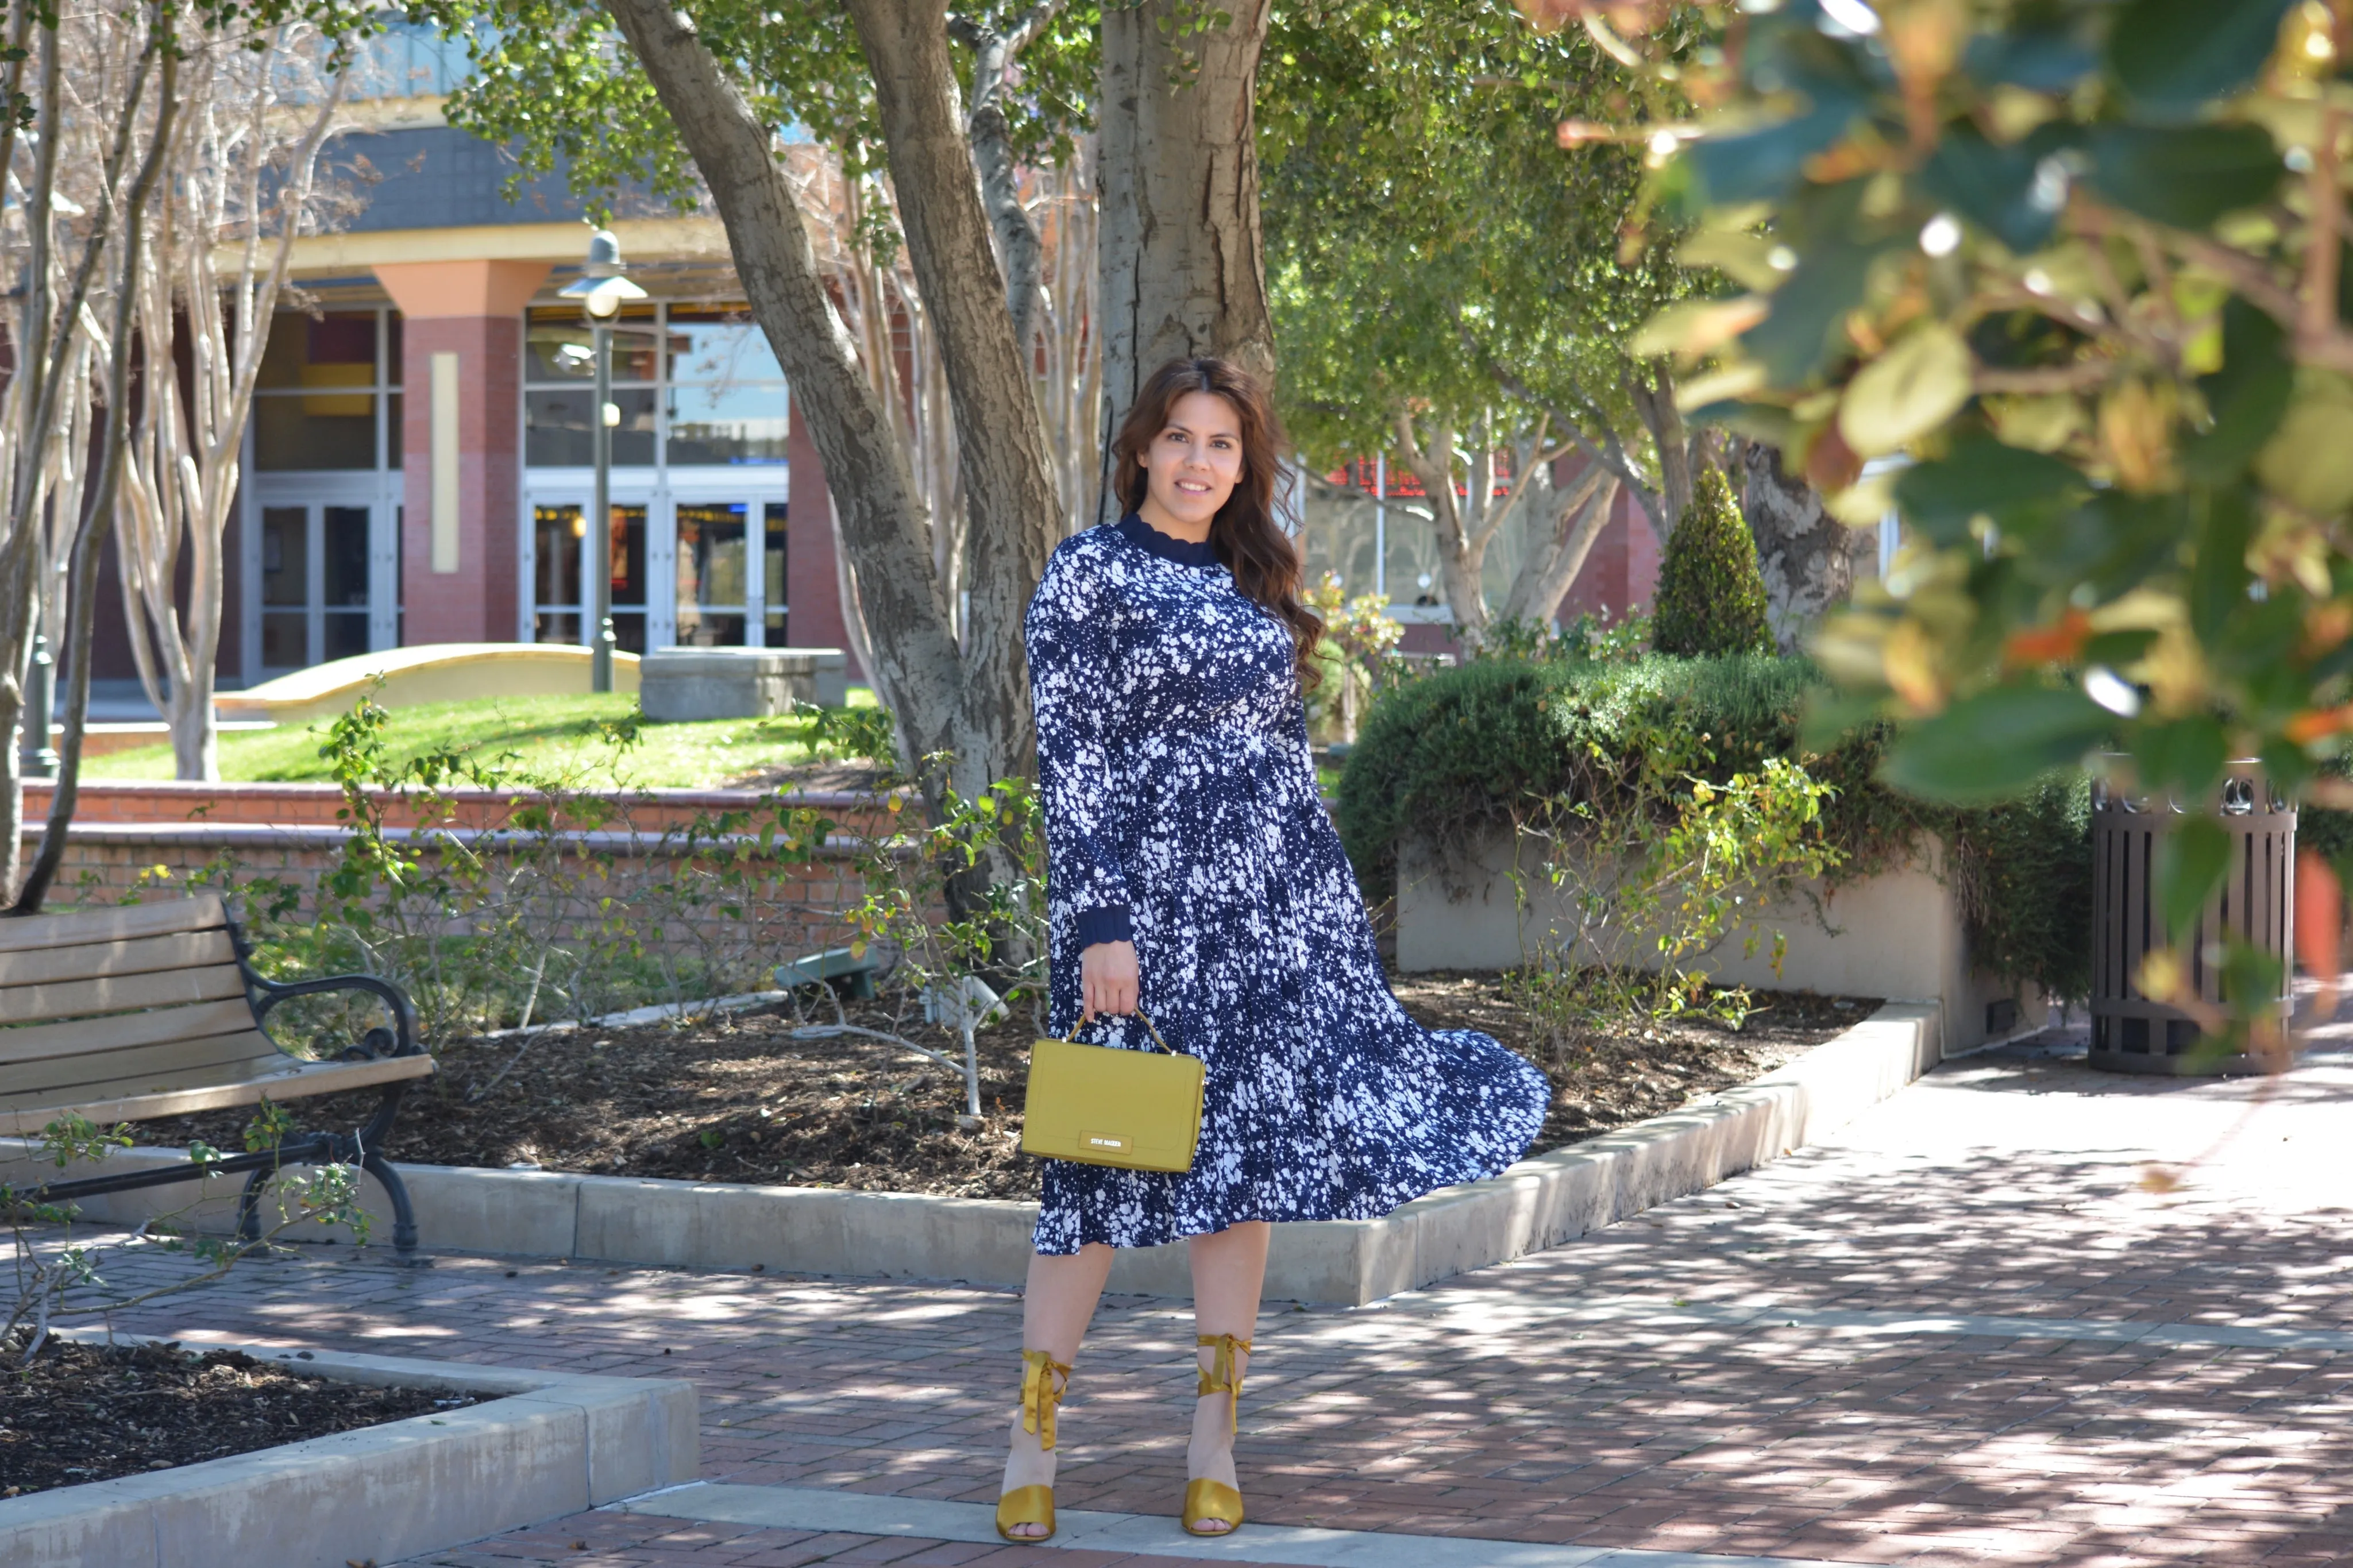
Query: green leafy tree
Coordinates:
[1452,285]
[942,107]
[1710,598]
[712,93]
[2079,266]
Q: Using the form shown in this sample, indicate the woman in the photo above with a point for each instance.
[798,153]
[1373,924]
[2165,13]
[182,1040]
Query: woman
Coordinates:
[1194,878]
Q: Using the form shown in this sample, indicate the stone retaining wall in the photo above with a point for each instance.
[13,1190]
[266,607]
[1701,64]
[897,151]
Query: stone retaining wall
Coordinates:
[547,1444]
[1538,1202]
[1899,935]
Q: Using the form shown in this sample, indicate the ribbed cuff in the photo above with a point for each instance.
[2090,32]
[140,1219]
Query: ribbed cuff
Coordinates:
[1109,924]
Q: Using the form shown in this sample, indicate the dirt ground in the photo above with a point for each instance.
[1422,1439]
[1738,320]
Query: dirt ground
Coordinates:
[88,1413]
[735,1099]
[860,778]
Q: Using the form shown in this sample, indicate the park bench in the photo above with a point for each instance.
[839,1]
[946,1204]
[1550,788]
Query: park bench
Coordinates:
[154,1010]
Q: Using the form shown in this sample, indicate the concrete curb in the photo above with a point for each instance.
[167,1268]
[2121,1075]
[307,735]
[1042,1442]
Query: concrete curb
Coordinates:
[1539,1203]
[555,1444]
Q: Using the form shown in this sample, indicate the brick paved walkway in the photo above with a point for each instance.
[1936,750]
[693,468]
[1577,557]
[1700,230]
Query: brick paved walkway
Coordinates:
[1792,1364]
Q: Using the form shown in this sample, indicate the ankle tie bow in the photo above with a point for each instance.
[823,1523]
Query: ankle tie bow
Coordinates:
[1040,1394]
[1224,1373]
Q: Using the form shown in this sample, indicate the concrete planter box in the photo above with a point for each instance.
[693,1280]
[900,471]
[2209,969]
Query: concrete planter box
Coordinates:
[679,685]
[1538,1202]
[554,1445]
[1899,935]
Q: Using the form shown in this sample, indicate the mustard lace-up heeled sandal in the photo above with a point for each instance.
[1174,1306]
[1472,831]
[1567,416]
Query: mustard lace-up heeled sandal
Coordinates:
[1043,1382]
[1206,1499]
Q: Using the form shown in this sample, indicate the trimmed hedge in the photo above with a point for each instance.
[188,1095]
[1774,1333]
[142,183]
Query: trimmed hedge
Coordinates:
[1711,596]
[1463,752]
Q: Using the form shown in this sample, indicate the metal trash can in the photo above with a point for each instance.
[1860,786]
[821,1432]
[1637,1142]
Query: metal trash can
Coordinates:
[2131,1032]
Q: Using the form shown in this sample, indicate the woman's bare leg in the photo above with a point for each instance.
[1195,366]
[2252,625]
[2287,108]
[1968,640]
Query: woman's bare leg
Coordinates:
[1056,1307]
[1228,1270]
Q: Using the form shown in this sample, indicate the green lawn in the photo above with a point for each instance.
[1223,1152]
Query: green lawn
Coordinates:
[550,736]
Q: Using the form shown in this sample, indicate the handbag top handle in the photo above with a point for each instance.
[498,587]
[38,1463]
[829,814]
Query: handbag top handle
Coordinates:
[1072,1038]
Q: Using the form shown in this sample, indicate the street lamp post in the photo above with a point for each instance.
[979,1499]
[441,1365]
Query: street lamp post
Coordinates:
[602,290]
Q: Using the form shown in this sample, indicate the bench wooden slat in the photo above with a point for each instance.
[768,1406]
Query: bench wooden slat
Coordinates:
[231,1063]
[324,1077]
[77,1036]
[171,1064]
[90,961]
[177,988]
[158,919]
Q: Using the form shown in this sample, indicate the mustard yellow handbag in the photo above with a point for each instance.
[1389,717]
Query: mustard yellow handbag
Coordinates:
[1100,1106]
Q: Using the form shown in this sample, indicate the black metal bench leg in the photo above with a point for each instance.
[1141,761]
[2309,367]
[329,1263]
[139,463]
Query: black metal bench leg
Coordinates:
[248,1204]
[403,1217]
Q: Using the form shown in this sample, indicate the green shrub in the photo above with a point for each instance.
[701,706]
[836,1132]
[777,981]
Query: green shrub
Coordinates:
[2024,870]
[1463,751]
[1710,598]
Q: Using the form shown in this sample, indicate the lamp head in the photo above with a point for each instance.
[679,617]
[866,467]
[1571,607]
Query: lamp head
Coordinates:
[603,297]
[603,256]
[601,286]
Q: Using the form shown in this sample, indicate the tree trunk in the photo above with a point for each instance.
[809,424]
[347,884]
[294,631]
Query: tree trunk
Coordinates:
[1003,470]
[1578,519]
[248,121]
[195,738]
[1184,267]
[1654,401]
[1023,253]
[98,523]
[12,784]
[971,701]
[883,522]
[1462,556]
[1018,244]
[1807,556]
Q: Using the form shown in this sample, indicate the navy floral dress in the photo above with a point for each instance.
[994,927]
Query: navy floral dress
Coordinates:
[1182,814]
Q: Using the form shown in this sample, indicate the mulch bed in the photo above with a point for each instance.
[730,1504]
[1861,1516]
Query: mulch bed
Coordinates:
[88,1413]
[734,1100]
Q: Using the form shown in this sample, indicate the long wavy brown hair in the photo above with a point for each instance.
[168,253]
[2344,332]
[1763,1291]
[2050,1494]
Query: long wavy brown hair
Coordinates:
[1265,564]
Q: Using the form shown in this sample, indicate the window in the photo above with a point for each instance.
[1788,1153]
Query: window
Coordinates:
[727,402]
[558,535]
[320,496]
[696,387]
[323,385]
[558,428]
[698,481]
[560,387]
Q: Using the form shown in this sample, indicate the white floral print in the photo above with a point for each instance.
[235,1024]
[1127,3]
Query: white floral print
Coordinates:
[1182,813]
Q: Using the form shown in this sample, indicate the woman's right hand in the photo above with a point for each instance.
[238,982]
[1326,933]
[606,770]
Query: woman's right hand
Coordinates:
[1106,980]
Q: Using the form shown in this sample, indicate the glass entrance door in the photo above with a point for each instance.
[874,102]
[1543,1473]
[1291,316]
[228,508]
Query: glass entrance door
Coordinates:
[559,566]
[316,602]
[728,572]
[712,579]
[698,570]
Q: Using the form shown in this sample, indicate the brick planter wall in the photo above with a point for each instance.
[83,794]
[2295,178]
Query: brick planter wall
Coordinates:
[292,805]
[150,839]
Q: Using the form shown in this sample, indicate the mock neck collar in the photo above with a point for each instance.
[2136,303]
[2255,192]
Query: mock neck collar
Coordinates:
[1183,551]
